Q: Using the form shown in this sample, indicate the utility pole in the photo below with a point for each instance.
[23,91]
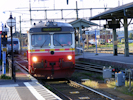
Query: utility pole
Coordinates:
[77,9]
[30,11]
[54,4]
[20,36]
[15,27]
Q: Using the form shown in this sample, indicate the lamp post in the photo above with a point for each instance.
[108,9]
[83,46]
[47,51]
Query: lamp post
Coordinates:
[11,23]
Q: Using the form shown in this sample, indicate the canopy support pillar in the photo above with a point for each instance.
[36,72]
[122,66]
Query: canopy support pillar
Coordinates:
[115,40]
[126,50]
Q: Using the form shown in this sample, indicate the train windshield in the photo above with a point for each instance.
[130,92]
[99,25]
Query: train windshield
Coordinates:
[62,39]
[40,40]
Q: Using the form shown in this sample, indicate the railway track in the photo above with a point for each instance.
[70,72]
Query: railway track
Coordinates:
[91,67]
[88,67]
[75,91]
[67,90]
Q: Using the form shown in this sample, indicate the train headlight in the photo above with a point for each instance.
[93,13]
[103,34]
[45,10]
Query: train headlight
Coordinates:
[69,57]
[34,59]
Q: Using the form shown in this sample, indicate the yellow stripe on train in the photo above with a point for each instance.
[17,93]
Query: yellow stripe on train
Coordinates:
[42,49]
[52,49]
[31,50]
[72,49]
[62,49]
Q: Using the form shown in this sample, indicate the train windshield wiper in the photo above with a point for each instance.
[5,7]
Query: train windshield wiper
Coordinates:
[59,42]
[43,43]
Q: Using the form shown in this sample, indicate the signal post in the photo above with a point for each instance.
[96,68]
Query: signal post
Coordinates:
[4,42]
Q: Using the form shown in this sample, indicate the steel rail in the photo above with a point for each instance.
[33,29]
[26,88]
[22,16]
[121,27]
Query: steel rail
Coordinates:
[22,66]
[93,90]
[60,93]
[83,86]
[89,67]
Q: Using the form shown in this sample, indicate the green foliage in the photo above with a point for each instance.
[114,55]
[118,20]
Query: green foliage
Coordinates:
[99,77]
[88,74]
[91,46]
[122,89]
[3,76]
[91,83]
[131,36]
[101,46]
[130,44]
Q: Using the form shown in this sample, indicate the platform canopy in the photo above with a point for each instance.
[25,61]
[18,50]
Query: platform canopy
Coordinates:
[117,13]
[82,23]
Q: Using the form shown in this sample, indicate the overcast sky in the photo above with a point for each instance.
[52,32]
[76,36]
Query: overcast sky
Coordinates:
[16,5]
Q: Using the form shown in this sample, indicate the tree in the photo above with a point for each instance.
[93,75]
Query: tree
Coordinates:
[131,36]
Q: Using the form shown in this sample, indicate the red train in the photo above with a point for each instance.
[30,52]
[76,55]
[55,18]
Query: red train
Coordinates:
[51,50]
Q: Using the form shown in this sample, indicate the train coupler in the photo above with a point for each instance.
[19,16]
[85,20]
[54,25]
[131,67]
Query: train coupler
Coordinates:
[52,64]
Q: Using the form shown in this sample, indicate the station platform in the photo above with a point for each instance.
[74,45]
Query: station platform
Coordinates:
[106,59]
[25,88]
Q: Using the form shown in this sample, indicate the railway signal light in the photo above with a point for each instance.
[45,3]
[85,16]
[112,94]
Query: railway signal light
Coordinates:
[4,38]
[116,70]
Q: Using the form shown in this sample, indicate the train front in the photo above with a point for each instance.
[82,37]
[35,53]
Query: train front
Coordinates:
[51,52]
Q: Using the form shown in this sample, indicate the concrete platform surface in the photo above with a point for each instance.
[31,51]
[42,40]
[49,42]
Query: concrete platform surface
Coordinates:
[25,88]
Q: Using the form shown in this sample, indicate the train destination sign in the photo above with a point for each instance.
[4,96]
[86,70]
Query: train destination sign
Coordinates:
[51,29]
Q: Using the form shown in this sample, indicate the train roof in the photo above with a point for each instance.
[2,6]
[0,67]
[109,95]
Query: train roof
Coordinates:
[51,24]
[51,27]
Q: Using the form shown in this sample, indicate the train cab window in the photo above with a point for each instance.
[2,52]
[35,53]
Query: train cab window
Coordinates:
[40,40]
[62,39]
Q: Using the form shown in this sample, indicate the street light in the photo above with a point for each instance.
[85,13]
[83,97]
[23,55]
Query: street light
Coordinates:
[11,23]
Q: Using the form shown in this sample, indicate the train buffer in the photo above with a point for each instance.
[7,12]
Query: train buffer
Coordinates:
[25,88]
